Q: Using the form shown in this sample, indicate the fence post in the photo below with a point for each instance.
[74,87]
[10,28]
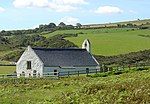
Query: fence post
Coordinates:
[86,72]
[78,73]
[129,66]
[68,73]
[104,68]
[96,71]
[101,69]
[58,74]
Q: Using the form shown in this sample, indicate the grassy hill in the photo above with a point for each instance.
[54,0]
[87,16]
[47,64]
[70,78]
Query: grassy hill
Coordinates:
[127,88]
[110,41]
[105,41]
[135,22]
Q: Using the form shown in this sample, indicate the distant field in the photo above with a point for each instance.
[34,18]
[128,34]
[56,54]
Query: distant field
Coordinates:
[111,41]
[135,22]
[7,69]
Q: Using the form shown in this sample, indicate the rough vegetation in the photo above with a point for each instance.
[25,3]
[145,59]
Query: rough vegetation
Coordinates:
[127,88]
[123,59]
[21,42]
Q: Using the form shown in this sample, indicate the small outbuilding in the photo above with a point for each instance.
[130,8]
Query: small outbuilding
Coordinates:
[41,61]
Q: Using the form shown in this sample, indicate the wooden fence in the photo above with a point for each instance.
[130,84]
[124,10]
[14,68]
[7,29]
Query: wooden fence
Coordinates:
[54,74]
[103,68]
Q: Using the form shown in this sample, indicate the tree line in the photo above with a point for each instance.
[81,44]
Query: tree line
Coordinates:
[51,27]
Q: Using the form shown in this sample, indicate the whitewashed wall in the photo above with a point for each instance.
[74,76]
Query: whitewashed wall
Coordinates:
[86,45]
[36,63]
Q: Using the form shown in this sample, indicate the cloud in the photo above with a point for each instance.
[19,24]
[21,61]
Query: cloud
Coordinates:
[108,10]
[61,8]
[30,3]
[57,5]
[69,20]
[133,12]
[70,2]
[2,9]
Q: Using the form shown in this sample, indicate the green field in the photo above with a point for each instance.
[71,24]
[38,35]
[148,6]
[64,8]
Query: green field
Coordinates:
[127,88]
[7,69]
[110,41]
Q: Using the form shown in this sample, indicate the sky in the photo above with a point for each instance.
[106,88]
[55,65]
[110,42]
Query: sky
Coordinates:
[25,14]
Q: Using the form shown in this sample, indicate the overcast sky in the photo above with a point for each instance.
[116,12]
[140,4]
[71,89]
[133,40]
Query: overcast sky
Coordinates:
[24,14]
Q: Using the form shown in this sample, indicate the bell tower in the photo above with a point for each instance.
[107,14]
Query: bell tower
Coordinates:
[86,45]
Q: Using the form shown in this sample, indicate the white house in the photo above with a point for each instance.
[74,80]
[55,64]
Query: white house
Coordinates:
[38,61]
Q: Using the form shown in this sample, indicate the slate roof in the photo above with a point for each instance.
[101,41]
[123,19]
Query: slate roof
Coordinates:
[65,57]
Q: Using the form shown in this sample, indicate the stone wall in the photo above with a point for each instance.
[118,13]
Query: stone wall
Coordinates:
[36,64]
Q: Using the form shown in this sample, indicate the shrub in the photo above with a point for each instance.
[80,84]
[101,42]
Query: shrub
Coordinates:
[141,69]
[117,72]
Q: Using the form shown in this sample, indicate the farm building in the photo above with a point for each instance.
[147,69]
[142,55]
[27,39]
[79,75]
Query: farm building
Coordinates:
[40,61]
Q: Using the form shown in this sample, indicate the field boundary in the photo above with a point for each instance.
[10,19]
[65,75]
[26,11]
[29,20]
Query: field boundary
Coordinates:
[103,68]
[54,74]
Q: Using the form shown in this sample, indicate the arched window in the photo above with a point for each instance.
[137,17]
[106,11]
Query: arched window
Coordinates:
[85,44]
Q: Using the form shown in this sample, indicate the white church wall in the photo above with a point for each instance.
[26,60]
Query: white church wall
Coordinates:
[86,45]
[36,64]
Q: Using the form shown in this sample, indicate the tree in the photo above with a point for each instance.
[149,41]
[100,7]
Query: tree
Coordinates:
[78,25]
[69,27]
[51,25]
[62,24]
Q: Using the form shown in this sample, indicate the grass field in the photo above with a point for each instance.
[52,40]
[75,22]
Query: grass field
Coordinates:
[110,41]
[127,88]
[7,69]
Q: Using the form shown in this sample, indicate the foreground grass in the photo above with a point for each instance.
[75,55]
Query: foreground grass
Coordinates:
[7,69]
[127,88]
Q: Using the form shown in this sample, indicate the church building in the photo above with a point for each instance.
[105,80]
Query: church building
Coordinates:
[43,61]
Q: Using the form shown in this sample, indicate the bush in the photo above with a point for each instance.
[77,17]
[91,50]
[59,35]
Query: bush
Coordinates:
[117,72]
[141,69]
[99,75]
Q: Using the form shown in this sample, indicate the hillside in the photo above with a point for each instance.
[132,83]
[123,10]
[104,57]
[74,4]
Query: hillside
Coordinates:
[19,43]
[135,22]
[127,88]
[106,41]
[110,41]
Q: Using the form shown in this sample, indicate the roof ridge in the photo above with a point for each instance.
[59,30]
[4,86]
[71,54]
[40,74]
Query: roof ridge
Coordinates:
[41,48]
